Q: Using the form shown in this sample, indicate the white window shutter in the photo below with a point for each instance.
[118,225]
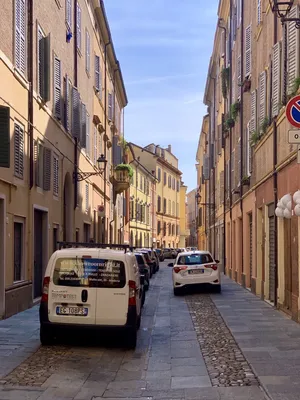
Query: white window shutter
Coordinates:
[47,158]
[57,87]
[83,136]
[206,167]
[292,50]
[78,16]
[67,104]
[262,98]
[258,12]
[276,79]
[69,13]
[239,12]
[86,197]
[239,162]
[253,120]
[248,151]
[95,145]
[87,52]
[248,44]
[97,72]
[239,76]
[88,137]
[20,35]
[76,110]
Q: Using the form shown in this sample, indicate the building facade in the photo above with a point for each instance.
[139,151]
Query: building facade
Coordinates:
[61,103]
[183,230]
[191,222]
[250,80]
[168,196]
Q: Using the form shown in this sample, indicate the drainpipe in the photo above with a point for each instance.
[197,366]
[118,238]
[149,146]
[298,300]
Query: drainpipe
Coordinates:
[114,220]
[105,129]
[275,182]
[230,135]
[30,92]
[75,84]
[224,166]
[241,134]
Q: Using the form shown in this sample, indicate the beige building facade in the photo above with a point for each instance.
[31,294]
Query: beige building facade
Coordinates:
[61,101]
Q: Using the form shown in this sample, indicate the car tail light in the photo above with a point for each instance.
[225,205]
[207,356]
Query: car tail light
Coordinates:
[132,293]
[212,266]
[45,289]
[178,269]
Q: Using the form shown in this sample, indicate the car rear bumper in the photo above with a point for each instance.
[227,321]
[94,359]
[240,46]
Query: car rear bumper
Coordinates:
[180,281]
[60,327]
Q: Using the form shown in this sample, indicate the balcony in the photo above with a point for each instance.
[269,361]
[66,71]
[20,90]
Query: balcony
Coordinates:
[121,177]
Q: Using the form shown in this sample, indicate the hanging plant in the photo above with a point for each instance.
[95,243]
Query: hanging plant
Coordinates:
[125,167]
[235,110]
[229,123]
[225,75]
[255,138]
[264,125]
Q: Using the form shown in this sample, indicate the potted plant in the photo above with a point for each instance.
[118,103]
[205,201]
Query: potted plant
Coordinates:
[125,167]
[255,138]
[235,110]
[229,123]
[225,75]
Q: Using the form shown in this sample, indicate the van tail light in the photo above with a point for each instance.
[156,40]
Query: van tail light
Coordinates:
[212,266]
[132,293]
[45,289]
[181,268]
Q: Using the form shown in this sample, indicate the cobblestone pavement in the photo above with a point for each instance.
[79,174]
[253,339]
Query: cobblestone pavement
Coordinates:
[168,362]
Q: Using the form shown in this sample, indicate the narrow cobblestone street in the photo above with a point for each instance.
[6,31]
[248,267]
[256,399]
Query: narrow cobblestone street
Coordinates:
[200,346]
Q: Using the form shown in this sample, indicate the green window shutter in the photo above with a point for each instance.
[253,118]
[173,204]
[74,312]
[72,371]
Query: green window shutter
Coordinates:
[4,137]
[47,156]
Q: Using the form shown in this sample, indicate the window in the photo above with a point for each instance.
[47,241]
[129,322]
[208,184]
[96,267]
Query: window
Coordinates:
[87,205]
[173,184]
[57,88]
[178,186]
[239,12]
[177,230]
[248,40]
[18,251]
[259,12]
[141,182]
[131,209]
[78,27]
[158,204]
[19,150]
[173,208]
[169,181]
[169,229]
[55,174]
[88,138]
[43,68]
[165,206]
[276,86]
[292,50]
[253,121]
[177,210]
[87,52]
[95,145]
[173,230]
[165,178]
[165,229]
[20,35]
[69,14]
[98,82]
[262,98]
[248,151]
[158,174]
[169,207]
[67,104]
[110,106]
[158,227]
[195,259]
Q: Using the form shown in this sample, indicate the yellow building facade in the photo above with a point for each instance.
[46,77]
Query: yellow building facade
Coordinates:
[183,230]
[61,102]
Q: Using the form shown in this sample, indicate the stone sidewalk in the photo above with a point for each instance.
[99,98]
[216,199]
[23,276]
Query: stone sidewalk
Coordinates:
[167,363]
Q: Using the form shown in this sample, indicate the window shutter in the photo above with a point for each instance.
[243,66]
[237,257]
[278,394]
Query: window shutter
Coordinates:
[258,12]
[19,151]
[253,112]
[69,13]
[44,66]
[97,73]
[239,76]
[248,40]
[292,50]
[47,156]
[239,162]
[95,145]
[206,167]
[248,152]
[221,187]
[4,137]
[233,165]
[233,87]
[67,104]
[228,178]
[110,111]
[20,35]
[276,61]
[87,51]
[220,131]
[262,98]
[57,87]
[55,175]
[83,136]
[239,12]
[76,105]
[222,44]
[86,197]
[78,15]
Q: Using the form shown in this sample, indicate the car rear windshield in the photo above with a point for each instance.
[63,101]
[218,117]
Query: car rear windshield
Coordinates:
[158,251]
[139,259]
[146,255]
[194,259]
[89,272]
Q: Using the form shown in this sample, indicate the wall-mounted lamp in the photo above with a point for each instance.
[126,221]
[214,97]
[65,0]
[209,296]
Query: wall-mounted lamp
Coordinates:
[82,176]
[282,8]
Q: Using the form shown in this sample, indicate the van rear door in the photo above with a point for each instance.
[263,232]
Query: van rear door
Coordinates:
[72,289]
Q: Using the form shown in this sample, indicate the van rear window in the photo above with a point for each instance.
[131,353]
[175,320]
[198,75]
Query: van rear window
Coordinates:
[89,272]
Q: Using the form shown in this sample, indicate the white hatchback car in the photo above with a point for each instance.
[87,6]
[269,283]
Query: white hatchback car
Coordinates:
[195,268]
[91,289]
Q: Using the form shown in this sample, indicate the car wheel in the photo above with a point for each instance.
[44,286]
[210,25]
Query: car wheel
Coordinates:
[46,337]
[177,291]
[218,288]
[131,339]
[147,286]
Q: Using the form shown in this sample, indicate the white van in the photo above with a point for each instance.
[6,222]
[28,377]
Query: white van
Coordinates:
[91,288]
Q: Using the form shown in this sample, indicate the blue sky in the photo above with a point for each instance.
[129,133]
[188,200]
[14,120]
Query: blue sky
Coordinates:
[164,48]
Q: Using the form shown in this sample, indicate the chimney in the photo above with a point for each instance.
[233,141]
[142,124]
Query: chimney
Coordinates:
[169,148]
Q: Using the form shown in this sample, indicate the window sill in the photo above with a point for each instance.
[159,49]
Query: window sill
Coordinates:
[18,284]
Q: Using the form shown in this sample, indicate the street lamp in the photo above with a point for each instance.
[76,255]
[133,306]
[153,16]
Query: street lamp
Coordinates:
[82,176]
[282,8]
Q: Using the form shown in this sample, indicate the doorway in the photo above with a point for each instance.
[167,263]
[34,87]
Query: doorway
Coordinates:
[2,256]
[272,254]
[40,250]
[86,233]
[55,238]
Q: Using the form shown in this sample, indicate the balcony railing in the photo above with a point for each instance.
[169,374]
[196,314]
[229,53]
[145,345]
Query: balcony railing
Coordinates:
[121,180]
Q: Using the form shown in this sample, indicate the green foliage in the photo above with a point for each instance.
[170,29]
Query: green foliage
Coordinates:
[124,167]
[255,138]
[123,143]
[225,75]
[229,123]
[264,126]
[235,110]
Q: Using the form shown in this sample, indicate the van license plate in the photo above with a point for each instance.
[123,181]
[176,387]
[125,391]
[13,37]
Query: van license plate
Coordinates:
[196,271]
[80,311]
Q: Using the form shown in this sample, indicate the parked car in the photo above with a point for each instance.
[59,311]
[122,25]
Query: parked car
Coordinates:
[181,250]
[153,259]
[195,268]
[160,254]
[174,253]
[148,259]
[144,268]
[94,289]
[168,253]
